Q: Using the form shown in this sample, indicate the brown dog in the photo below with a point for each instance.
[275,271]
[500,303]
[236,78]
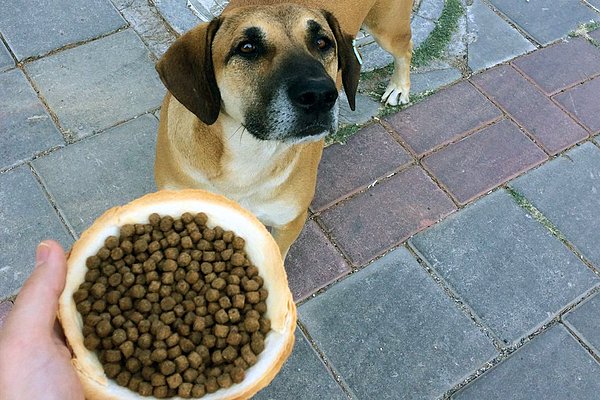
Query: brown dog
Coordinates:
[253,92]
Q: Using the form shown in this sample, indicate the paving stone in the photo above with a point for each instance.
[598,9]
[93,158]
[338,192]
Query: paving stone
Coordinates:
[146,21]
[386,215]
[302,377]
[420,28]
[374,57]
[313,262]
[177,14]
[506,266]
[399,336]
[368,155]
[595,3]
[585,320]
[366,108]
[493,39]
[207,9]
[565,190]
[109,169]
[551,127]
[421,82]
[431,9]
[552,366]
[578,101]
[26,218]
[6,60]
[25,127]
[595,34]
[34,27]
[546,21]
[444,117]
[93,87]
[553,68]
[484,160]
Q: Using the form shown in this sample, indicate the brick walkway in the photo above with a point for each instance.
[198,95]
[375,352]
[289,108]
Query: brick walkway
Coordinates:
[453,249]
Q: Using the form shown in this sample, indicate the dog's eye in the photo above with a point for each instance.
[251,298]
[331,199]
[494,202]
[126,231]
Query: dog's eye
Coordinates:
[247,48]
[323,43]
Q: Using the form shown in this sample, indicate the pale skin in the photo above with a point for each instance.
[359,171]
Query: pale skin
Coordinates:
[35,362]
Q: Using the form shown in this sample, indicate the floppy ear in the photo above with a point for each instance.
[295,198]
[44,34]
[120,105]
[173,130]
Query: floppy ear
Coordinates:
[347,60]
[187,71]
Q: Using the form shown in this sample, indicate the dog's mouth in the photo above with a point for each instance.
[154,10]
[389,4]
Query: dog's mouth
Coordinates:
[313,130]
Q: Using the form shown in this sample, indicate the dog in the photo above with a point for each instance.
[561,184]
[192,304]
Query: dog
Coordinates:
[252,94]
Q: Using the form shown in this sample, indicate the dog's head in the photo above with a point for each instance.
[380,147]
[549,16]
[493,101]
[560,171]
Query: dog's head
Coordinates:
[273,69]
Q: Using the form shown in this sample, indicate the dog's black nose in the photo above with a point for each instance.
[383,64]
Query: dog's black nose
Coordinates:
[313,94]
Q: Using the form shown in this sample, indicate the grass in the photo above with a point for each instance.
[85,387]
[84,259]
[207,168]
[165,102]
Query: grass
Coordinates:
[342,134]
[584,30]
[440,37]
[535,213]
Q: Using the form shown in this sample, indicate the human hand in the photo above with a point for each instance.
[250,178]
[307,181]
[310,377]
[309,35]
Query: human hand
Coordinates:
[35,362]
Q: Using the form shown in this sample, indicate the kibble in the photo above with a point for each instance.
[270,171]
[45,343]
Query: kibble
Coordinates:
[173,307]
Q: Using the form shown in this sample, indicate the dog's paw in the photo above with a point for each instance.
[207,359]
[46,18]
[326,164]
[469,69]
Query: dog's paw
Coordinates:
[394,96]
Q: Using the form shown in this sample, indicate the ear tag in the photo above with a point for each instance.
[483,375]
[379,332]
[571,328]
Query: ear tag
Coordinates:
[356,53]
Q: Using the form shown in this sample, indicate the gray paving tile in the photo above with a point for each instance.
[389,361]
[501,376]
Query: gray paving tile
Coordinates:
[109,169]
[303,377]
[35,27]
[26,218]
[176,13]
[552,366]
[431,9]
[96,85]
[366,108]
[25,127]
[147,22]
[420,28]
[565,190]
[494,40]
[421,82]
[510,270]
[546,21]
[374,57]
[585,320]
[391,332]
[6,60]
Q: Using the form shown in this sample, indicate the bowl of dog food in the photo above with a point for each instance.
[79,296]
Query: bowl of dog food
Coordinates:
[178,294]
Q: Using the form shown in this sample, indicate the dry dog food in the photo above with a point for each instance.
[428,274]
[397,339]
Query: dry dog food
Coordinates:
[173,307]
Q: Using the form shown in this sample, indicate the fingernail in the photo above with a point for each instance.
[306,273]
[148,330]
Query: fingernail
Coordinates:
[42,253]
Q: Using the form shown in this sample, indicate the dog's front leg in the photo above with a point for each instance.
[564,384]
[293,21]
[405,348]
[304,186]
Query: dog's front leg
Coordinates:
[285,235]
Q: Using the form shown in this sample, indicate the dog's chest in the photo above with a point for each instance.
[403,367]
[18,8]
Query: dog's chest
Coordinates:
[258,175]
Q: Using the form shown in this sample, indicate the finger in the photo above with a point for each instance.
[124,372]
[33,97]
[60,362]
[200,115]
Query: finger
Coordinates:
[35,307]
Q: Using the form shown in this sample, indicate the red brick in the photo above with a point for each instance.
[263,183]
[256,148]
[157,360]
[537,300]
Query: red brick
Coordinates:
[5,308]
[561,65]
[484,160]
[369,154]
[583,102]
[386,215]
[313,262]
[444,117]
[552,128]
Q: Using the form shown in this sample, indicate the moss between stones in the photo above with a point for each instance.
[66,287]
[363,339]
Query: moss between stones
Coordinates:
[438,40]
[584,30]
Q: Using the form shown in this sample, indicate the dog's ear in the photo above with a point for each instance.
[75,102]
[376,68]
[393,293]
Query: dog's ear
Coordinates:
[187,71]
[347,60]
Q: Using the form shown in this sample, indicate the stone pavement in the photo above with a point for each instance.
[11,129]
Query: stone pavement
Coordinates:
[453,249]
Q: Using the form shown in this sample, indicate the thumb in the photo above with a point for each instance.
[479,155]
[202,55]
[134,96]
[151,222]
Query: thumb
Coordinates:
[36,305]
